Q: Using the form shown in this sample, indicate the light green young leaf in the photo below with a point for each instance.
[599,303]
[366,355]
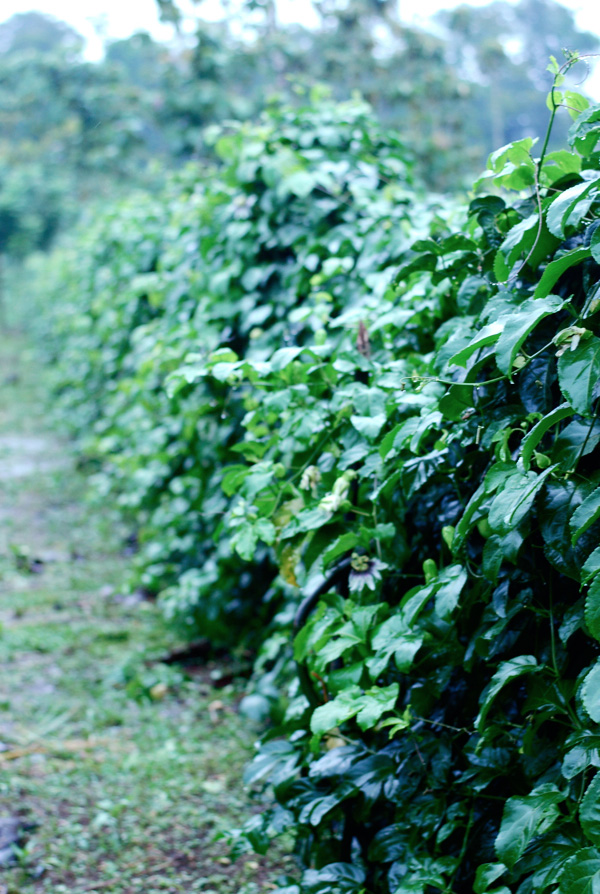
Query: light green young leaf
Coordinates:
[376,701]
[367,707]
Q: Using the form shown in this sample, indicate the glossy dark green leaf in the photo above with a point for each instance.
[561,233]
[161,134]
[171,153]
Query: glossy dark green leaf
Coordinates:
[581,874]
[590,692]
[524,818]
[506,673]
[519,325]
[555,270]
[579,373]
[533,438]
[589,811]
[585,515]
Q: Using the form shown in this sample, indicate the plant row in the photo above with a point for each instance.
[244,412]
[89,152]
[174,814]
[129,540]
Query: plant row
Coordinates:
[357,429]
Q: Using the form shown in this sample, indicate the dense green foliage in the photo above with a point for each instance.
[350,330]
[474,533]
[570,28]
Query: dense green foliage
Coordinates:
[421,456]
[73,132]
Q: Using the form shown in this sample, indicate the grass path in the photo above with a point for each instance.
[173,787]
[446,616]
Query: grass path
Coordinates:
[119,769]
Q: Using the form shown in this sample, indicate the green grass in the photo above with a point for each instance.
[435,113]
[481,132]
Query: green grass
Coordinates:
[123,768]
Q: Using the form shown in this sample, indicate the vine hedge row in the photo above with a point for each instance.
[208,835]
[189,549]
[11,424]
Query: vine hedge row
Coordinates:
[325,398]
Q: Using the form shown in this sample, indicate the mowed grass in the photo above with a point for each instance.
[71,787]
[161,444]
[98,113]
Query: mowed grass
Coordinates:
[122,770]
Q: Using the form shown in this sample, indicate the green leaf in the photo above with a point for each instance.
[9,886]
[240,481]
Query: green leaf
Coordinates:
[486,875]
[563,204]
[283,357]
[369,426]
[595,245]
[518,326]
[343,544]
[523,819]
[578,374]
[510,505]
[486,336]
[585,515]
[555,270]
[233,479]
[366,707]
[394,637]
[448,586]
[244,541]
[591,566]
[592,607]
[590,692]
[376,701]
[533,438]
[589,811]
[388,844]
[581,873]
[506,673]
[519,240]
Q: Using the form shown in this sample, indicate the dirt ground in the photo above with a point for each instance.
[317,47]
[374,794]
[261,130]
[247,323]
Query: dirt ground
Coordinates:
[118,772]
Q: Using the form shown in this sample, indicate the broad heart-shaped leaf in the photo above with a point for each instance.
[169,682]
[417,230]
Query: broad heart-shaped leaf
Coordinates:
[585,515]
[507,671]
[563,204]
[538,431]
[523,819]
[555,270]
[517,327]
[589,811]
[592,608]
[581,874]
[590,692]
[511,504]
[578,374]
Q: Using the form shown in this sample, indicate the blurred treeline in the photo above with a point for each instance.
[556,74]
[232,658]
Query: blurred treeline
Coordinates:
[74,131]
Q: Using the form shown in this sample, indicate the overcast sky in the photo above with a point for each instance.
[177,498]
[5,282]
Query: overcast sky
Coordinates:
[120,18]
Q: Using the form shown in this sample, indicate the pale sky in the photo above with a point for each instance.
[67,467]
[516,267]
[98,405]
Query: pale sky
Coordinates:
[121,18]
